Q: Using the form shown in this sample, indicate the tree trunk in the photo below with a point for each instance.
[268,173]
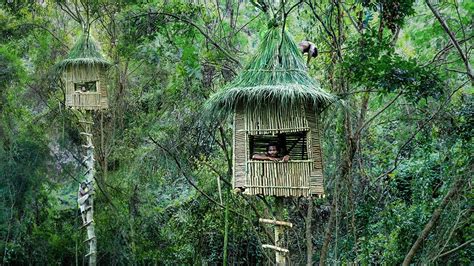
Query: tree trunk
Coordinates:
[309,238]
[432,222]
[226,230]
[89,176]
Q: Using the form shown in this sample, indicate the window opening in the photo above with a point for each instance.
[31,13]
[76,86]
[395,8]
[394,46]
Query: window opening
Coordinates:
[293,144]
[90,86]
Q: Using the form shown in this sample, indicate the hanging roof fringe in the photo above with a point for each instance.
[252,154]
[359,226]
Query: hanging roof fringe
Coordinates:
[276,75]
[85,52]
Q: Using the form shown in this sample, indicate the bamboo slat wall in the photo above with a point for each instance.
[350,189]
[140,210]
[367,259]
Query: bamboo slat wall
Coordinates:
[263,121]
[278,178]
[104,103]
[86,100]
[302,177]
[316,180]
[240,150]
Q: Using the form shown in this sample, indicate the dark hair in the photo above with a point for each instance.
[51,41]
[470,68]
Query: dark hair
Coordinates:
[273,144]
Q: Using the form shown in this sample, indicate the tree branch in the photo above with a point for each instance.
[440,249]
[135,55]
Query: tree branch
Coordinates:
[189,180]
[464,58]
[432,222]
[379,112]
[456,248]
[185,20]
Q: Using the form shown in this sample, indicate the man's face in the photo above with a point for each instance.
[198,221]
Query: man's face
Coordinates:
[272,151]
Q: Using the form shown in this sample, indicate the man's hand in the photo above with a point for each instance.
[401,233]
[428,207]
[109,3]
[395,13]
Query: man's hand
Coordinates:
[285,158]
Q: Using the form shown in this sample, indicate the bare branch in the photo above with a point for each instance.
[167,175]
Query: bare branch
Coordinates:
[185,20]
[463,56]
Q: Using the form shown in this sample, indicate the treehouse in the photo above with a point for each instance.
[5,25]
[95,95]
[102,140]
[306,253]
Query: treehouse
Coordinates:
[275,101]
[84,75]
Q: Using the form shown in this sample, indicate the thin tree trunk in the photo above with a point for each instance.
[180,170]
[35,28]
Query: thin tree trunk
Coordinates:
[90,214]
[352,147]
[226,231]
[432,222]
[279,232]
[328,233]
[309,238]
[91,240]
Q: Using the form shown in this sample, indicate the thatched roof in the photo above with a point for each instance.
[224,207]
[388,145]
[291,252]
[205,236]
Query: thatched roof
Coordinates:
[276,75]
[85,51]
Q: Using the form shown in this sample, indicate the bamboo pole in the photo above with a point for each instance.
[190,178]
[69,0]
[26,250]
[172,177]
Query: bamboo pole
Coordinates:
[226,229]
[275,222]
[277,249]
[280,257]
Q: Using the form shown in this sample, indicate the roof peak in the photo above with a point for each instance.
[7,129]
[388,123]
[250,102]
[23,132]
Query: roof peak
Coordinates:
[85,51]
[277,74]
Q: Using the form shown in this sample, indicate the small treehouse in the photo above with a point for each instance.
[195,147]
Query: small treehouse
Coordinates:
[275,101]
[84,75]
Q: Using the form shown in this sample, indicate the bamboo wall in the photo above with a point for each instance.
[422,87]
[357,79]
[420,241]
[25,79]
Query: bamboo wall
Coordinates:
[278,178]
[293,178]
[240,150]
[86,100]
[316,181]
[264,121]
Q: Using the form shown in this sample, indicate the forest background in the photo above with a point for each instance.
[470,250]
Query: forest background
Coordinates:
[397,145]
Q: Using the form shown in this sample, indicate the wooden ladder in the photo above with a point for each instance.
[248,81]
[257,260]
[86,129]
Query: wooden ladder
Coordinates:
[280,252]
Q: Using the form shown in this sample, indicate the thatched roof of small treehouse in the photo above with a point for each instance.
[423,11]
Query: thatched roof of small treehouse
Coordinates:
[85,52]
[276,75]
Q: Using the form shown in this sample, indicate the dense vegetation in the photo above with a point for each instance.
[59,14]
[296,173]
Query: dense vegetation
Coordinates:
[397,144]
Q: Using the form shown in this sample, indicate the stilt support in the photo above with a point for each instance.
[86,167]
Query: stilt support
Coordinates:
[88,203]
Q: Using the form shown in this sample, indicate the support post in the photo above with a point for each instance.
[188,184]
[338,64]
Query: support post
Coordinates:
[86,202]
[280,257]
[281,253]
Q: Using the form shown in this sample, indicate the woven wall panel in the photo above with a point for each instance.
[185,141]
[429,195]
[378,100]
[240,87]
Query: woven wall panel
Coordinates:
[286,179]
[274,120]
[240,151]
[316,180]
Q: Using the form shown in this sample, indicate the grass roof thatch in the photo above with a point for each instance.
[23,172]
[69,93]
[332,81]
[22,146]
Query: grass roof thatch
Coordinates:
[277,75]
[84,52]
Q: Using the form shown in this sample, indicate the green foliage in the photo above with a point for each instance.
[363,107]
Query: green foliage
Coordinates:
[158,157]
[373,65]
[393,13]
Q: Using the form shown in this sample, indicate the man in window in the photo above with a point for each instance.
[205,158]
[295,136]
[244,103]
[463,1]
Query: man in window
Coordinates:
[272,154]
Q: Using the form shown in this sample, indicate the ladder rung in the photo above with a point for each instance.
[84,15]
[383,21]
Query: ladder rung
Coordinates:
[86,122]
[275,222]
[89,239]
[86,224]
[86,134]
[88,146]
[88,254]
[279,249]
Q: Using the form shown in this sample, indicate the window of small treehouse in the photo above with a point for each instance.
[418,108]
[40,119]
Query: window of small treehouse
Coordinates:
[90,86]
[293,144]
